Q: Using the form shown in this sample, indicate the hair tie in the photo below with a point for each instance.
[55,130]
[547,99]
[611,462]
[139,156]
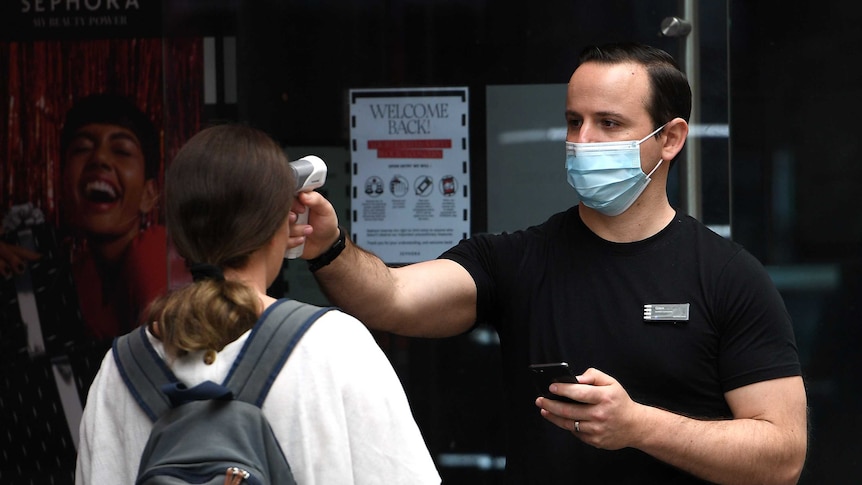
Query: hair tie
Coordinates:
[206,271]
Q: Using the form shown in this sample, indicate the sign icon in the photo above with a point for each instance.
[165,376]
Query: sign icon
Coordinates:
[424,186]
[374,186]
[448,185]
[398,186]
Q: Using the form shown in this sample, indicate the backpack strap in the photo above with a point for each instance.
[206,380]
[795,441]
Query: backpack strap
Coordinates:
[143,371]
[268,347]
[261,358]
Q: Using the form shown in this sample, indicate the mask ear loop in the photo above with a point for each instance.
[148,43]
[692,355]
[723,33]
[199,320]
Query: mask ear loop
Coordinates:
[651,134]
[647,138]
[654,168]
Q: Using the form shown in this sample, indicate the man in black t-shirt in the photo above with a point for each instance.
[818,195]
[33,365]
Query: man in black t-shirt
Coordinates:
[689,368]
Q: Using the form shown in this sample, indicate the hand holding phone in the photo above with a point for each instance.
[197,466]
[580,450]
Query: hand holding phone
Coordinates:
[546,374]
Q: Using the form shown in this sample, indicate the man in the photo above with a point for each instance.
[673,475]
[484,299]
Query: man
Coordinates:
[690,369]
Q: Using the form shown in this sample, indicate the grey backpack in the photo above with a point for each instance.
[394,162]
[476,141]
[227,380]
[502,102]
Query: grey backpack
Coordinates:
[211,433]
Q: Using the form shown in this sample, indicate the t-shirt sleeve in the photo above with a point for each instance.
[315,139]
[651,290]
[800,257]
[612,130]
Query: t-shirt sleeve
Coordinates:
[758,342]
[474,255]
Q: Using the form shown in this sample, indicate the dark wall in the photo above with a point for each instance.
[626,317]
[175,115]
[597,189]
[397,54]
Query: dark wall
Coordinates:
[795,99]
[300,58]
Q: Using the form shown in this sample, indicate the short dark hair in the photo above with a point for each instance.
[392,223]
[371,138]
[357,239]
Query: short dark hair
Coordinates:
[671,93]
[118,110]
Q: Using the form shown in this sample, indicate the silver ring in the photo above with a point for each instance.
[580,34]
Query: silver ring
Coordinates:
[577,426]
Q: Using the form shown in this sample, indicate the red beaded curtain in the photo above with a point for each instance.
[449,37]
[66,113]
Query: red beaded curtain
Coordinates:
[42,79]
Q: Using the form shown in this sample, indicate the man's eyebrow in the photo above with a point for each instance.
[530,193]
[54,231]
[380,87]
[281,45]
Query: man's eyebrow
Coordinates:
[599,114]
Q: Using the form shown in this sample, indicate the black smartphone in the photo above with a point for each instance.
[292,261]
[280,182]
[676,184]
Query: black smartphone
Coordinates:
[546,374]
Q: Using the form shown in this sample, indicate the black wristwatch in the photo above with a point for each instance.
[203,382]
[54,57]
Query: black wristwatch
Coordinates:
[330,254]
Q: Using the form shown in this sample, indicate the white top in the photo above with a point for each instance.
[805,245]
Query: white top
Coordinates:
[337,408]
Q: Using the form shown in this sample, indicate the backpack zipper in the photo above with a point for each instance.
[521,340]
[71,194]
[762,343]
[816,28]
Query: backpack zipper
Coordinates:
[235,476]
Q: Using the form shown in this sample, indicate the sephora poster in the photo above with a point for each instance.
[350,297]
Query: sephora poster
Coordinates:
[92,103]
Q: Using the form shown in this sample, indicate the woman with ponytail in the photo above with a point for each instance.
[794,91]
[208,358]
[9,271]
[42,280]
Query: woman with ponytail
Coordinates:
[337,407]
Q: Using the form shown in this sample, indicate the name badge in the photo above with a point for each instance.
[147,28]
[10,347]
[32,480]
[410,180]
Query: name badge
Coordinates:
[666,312]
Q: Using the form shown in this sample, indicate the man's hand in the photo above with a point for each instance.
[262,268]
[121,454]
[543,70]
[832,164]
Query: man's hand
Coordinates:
[765,442]
[14,259]
[606,417]
[320,232]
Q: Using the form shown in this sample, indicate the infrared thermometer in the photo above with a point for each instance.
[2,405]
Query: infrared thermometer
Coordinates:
[310,173]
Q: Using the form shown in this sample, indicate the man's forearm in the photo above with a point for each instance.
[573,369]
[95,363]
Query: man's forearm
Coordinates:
[435,298]
[744,451]
[358,282]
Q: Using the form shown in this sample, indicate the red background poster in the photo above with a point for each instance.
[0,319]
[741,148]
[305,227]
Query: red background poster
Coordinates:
[44,73]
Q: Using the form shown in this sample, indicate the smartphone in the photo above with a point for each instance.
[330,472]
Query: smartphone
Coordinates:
[545,374]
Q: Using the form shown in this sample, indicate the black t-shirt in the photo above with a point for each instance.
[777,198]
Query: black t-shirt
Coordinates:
[678,319]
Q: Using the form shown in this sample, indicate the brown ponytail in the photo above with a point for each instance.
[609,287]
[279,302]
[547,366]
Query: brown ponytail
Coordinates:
[227,192]
[212,314]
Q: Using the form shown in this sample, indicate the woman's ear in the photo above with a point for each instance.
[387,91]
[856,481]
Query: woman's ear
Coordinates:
[675,132]
[149,197]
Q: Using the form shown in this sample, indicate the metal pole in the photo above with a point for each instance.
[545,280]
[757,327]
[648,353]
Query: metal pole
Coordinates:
[693,202]
[685,28]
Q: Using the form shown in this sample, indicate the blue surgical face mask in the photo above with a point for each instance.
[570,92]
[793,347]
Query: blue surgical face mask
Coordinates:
[607,176]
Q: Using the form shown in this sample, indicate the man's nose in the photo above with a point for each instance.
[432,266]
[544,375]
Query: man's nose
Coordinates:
[585,133]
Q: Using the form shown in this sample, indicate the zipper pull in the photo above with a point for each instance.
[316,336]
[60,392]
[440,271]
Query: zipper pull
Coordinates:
[235,476]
